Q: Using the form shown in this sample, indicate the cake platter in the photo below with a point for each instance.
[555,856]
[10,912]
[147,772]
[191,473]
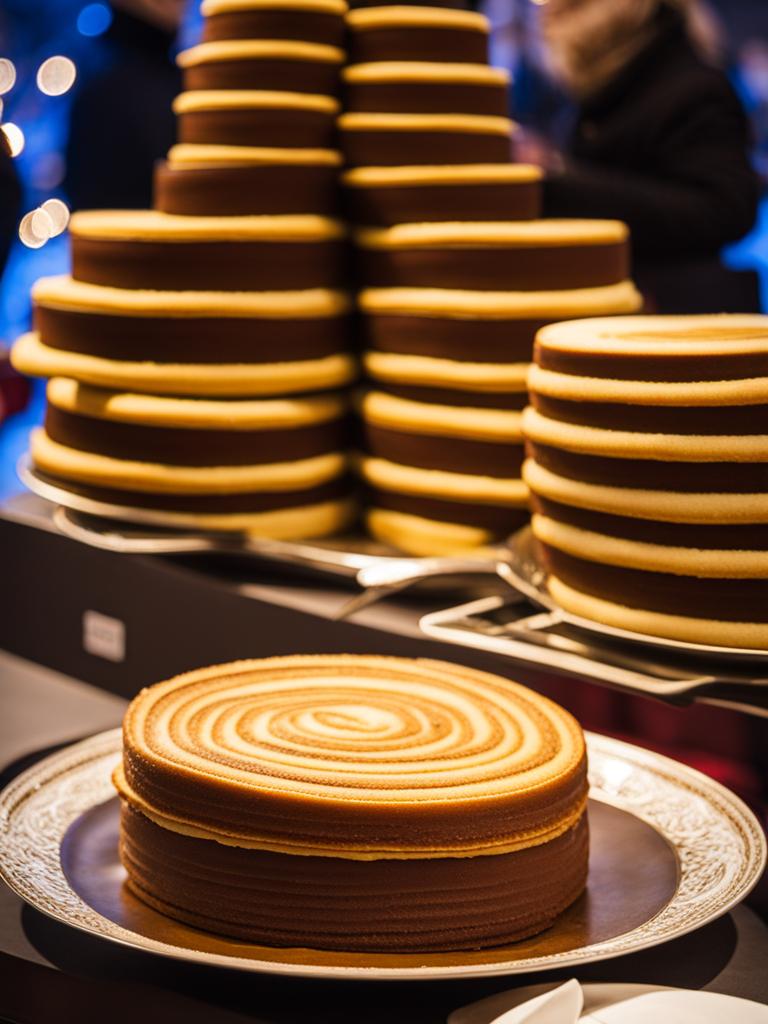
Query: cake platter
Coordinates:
[128,530]
[671,851]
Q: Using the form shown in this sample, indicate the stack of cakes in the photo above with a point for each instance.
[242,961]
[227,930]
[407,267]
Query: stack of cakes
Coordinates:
[353,803]
[457,274]
[198,348]
[648,465]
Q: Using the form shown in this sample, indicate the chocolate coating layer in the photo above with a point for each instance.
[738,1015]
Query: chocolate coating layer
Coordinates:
[723,365]
[252,189]
[193,339]
[486,201]
[211,266]
[192,447]
[364,148]
[653,475]
[427,97]
[367,45]
[278,127]
[472,339]
[496,267]
[453,454]
[499,520]
[208,504]
[728,600]
[722,419]
[725,537]
[281,75]
[331,903]
[447,396]
[307,26]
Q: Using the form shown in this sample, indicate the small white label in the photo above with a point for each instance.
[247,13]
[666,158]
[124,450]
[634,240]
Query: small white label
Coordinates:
[104,636]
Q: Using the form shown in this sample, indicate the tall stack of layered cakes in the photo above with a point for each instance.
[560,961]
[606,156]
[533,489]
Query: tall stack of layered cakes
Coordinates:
[648,465]
[456,275]
[199,349]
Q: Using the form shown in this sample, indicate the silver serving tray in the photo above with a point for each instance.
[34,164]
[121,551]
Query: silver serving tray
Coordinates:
[700,853]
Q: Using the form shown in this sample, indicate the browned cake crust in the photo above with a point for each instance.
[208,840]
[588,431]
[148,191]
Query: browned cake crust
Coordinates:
[357,803]
[247,189]
[325,27]
[369,906]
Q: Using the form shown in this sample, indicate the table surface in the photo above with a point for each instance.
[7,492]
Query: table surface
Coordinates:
[49,972]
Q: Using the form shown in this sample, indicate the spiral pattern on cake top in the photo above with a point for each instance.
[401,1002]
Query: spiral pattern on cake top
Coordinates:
[361,757]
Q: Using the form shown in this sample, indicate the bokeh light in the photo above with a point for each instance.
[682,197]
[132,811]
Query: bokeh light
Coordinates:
[33,230]
[94,20]
[7,75]
[56,76]
[15,137]
[58,214]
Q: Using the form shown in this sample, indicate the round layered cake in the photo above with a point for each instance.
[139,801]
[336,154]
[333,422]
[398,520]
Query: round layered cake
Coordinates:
[648,464]
[274,466]
[314,21]
[282,64]
[391,139]
[256,117]
[423,87]
[411,33]
[353,803]
[385,196]
[494,256]
[221,180]
[188,342]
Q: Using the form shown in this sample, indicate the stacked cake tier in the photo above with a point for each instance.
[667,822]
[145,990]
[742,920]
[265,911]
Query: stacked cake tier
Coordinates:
[457,274]
[232,288]
[354,803]
[647,440]
[272,466]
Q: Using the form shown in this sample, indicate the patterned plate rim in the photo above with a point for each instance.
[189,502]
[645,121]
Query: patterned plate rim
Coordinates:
[720,847]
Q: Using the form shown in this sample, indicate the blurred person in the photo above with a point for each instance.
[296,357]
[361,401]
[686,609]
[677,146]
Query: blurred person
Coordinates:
[660,141]
[122,120]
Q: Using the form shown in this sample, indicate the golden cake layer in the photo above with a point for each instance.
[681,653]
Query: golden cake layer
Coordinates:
[648,464]
[148,249]
[399,33]
[385,196]
[390,139]
[426,87]
[284,64]
[271,466]
[188,342]
[212,179]
[259,797]
[312,21]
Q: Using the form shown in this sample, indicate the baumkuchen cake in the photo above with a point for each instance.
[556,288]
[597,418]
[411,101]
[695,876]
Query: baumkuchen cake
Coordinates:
[271,465]
[353,803]
[648,445]
[532,255]
[385,140]
[416,34]
[217,180]
[457,274]
[266,343]
[385,196]
[421,87]
[256,117]
[152,250]
[314,21]
[296,66]
[199,346]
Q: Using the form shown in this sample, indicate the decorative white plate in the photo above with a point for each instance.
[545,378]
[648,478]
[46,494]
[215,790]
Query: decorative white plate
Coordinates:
[671,851]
